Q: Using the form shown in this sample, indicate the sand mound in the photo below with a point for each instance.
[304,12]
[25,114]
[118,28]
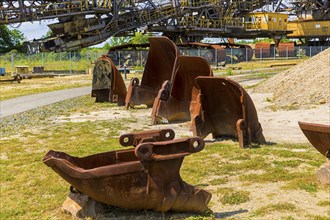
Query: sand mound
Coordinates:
[302,86]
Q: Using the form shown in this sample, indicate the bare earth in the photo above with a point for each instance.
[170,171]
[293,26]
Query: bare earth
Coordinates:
[278,126]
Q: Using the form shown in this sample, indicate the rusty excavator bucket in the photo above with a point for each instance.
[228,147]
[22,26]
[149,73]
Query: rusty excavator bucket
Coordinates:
[108,84]
[161,60]
[144,177]
[224,109]
[173,100]
[318,135]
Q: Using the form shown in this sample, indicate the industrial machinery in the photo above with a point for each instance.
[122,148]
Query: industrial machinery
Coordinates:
[82,23]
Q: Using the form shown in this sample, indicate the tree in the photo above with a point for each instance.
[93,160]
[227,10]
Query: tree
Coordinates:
[139,38]
[10,39]
[116,41]
[48,34]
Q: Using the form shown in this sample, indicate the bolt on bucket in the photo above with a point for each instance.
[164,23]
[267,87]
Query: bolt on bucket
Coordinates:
[225,109]
[144,177]
[108,84]
[318,135]
[161,60]
[173,100]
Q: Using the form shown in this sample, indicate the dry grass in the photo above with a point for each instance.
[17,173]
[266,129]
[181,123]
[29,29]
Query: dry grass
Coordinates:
[39,85]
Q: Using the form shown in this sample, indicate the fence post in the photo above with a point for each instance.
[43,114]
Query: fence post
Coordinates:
[287,53]
[70,62]
[12,63]
[42,59]
[321,48]
[140,57]
[300,52]
[310,51]
[231,55]
[246,55]
[125,77]
[216,57]
[119,58]
[274,52]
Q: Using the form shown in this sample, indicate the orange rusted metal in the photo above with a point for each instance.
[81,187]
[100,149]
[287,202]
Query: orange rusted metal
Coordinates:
[161,60]
[224,109]
[262,49]
[286,49]
[147,177]
[318,135]
[136,138]
[108,85]
[173,100]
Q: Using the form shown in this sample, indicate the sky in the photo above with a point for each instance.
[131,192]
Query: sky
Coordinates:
[32,30]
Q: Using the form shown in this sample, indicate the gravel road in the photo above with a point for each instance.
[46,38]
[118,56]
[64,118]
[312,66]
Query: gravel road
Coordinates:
[26,103]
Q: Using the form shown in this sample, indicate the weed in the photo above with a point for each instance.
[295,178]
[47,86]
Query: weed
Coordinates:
[279,207]
[307,183]
[232,197]
[272,175]
[229,72]
[218,181]
[324,203]
[287,163]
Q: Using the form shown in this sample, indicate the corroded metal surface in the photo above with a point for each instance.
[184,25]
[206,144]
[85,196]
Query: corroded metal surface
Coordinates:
[108,84]
[318,135]
[173,100]
[286,49]
[161,60]
[146,177]
[224,109]
[136,138]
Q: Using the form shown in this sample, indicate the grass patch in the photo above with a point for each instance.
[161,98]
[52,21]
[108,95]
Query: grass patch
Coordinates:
[307,183]
[287,163]
[218,181]
[324,203]
[279,207]
[233,197]
[40,85]
[272,175]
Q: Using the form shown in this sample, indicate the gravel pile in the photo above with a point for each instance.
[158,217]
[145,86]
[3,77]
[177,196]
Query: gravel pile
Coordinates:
[302,86]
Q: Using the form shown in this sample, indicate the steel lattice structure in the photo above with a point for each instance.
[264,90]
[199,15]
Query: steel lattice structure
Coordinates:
[84,23]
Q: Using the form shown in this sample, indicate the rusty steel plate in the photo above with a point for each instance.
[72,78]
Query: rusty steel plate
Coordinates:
[144,177]
[318,135]
[161,60]
[108,84]
[136,138]
[173,100]
[224,109]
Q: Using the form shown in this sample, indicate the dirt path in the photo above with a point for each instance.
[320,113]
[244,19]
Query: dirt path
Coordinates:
[282,126]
